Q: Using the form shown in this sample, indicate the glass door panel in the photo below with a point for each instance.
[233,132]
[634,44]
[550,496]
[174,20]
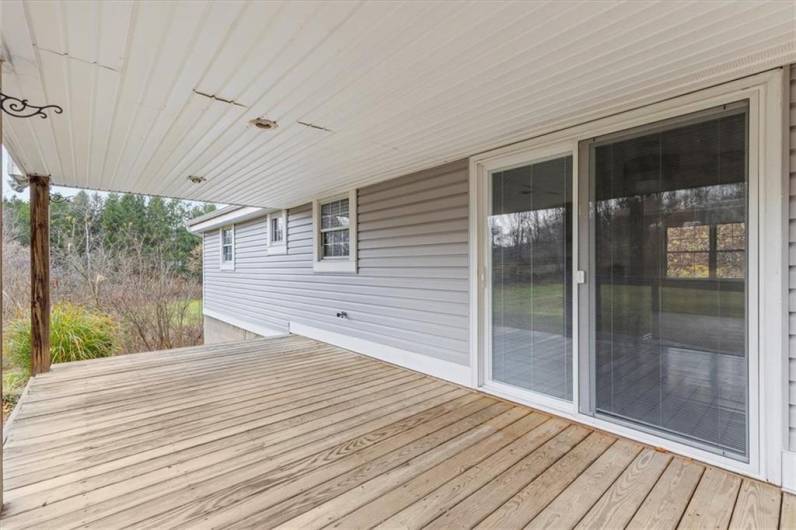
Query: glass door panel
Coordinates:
[530,237]
[669,214]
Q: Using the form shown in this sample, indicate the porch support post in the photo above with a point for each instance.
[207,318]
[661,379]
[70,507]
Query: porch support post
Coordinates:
[40,273]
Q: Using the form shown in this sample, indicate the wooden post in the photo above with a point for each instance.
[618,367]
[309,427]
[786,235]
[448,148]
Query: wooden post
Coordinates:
[40,273]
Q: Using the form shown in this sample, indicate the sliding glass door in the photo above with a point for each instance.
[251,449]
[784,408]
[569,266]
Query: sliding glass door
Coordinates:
[667,254]
[530,255]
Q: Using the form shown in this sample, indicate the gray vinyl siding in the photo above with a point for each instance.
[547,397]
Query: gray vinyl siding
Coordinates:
[792,263]
[411,291]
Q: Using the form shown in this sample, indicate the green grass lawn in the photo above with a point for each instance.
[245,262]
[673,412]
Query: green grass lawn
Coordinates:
[195,310]
[631,304]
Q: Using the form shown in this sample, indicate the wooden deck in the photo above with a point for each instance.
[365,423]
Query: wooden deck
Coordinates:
[295,433]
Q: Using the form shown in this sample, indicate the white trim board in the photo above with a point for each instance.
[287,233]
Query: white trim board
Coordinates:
[259,329]
[789,471]
[237,216]
[455,373]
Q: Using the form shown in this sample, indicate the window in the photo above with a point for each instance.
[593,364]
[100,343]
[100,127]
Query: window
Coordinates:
[277,232]
[335,234]
[730,250]
[688,251]
[706,251]
[228,247]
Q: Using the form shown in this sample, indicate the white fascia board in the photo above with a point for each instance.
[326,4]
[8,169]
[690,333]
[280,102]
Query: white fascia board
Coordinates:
[236,216]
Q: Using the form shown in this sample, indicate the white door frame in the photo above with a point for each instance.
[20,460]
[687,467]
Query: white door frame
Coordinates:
[485,168]
[767,280]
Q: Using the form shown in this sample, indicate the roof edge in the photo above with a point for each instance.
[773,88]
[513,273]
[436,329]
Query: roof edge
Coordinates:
[226,216]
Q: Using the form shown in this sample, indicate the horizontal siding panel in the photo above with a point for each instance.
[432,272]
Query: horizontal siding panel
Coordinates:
[421,239]
[409,231]
[448,326]
[395,307]
[418,188]
[403,200]
[309,279]
[411,290]
[446,202]
[456,212]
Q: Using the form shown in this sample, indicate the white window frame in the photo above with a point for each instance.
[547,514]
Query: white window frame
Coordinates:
[277,247]
[226,265]
[335,264]
[767,274]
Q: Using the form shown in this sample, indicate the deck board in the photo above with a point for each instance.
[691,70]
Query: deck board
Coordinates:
[293,433]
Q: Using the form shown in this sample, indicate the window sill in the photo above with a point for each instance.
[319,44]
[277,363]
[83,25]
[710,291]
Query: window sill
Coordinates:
[227,267]
[343,265]
[276,250]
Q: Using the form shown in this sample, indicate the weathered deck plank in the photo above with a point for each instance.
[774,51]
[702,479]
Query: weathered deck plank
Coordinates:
[295,433]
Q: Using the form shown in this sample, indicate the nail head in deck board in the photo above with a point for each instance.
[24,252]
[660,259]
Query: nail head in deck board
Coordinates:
[533,498]
[617,505]
[667,501]
[713,501]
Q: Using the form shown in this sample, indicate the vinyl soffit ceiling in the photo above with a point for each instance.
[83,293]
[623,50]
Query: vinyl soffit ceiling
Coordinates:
[157,92]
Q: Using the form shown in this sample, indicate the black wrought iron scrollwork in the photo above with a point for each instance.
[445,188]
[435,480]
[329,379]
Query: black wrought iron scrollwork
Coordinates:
[20,108]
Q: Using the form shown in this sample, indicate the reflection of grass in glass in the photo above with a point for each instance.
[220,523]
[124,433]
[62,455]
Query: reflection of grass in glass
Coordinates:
[514,304]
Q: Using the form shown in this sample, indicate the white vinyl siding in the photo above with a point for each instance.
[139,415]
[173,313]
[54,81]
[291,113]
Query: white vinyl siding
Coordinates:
[411,290]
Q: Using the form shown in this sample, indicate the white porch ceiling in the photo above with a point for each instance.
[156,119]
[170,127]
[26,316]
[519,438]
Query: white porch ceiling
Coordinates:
[401,86]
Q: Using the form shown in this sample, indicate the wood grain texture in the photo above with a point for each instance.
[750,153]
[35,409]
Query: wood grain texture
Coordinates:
[39,274]
[713,501]
[667,501]
[292,433]
[758,506]
[617,505]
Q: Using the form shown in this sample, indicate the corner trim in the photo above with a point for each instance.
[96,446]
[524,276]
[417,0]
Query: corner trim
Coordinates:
[789,471]
[264,331]
[455,373]
[235,216]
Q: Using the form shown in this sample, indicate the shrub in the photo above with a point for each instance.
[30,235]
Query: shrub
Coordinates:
[75,334]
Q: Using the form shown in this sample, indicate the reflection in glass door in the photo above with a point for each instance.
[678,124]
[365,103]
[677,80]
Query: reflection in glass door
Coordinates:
[530,236]
[668,278]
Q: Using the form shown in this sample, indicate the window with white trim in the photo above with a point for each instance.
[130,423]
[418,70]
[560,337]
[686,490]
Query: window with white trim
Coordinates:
[228,247]
[334,221]
[277,232]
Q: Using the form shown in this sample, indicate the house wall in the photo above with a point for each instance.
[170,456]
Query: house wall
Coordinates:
[411,291]
[215,331]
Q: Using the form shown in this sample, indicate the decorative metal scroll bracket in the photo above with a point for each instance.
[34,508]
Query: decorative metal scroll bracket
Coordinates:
[20,108]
